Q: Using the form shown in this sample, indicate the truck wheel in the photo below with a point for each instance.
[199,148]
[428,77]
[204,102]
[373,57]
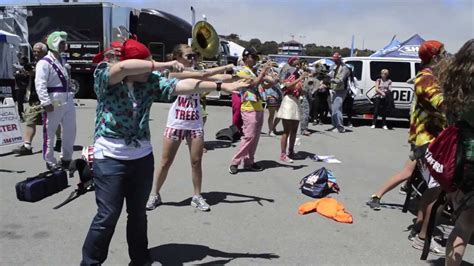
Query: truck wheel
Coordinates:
[82,90]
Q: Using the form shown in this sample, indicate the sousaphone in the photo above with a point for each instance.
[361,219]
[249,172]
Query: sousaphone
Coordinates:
[205,39]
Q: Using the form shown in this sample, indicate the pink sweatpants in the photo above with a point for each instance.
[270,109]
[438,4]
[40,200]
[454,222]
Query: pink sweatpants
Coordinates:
[253,122]
[236,116]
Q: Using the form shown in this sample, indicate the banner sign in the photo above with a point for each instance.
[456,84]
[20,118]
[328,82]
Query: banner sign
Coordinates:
[81,52]
[10,128]
[6,88]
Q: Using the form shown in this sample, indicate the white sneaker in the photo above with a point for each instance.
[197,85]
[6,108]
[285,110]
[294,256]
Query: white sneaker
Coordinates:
[385,127]
[200,203]
[285,158]
[271,134]
[153,202]
[373,126]
[435,248]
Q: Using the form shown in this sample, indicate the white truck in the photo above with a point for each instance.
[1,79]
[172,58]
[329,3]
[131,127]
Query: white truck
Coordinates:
[367,70]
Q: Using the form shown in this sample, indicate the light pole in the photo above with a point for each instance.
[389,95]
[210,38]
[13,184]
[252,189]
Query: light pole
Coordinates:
[193,16]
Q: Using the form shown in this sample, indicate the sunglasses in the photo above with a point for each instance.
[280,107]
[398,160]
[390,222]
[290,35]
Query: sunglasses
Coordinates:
[190,56]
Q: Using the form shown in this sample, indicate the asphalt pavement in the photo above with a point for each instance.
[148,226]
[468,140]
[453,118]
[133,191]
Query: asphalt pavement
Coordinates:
[254,217]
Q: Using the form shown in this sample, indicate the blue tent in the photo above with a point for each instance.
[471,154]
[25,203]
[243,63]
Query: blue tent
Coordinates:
[392,46]
[406,49]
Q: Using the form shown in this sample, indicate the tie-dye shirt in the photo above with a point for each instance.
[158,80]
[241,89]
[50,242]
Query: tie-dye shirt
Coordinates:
[123,113]
[427,119]
[251,98]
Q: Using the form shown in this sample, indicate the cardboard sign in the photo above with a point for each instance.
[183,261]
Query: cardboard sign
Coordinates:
[10,128]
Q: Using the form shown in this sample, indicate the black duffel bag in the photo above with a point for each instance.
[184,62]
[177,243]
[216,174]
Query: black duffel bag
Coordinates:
[230,134]
[41,186]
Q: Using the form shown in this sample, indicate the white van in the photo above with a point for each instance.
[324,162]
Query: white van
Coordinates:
[367,71]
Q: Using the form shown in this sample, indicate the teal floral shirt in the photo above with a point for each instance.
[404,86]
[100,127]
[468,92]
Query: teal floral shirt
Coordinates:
[122,113]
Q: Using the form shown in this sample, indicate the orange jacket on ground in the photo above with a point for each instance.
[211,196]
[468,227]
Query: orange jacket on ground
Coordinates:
[327,207]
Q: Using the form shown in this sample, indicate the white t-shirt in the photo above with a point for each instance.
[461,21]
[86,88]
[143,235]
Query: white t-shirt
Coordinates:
[185,113]
[117,149]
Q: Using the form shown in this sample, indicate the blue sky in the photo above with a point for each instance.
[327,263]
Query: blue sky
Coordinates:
[326,22]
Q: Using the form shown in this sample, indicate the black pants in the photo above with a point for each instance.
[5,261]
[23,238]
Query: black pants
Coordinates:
[319,106]
[117,181]
[19,97]
[381,108]
[347,107]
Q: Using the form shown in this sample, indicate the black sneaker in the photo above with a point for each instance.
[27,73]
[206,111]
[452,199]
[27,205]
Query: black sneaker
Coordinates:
[374,203]
[294,156]
[57,147]
[65,164]
[233,169]
[254,167]
[23,151]
[413,233]
[52,167]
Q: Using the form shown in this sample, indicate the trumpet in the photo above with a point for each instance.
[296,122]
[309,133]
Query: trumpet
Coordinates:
[33,111]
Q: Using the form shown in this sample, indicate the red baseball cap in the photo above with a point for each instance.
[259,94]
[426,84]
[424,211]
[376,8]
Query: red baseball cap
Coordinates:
[292,59]
[132,49]
[428,49]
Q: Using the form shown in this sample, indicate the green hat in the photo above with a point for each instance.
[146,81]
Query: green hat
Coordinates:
[55,38]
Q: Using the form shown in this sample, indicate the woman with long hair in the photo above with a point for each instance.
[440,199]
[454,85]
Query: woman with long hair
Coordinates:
[290,109]
[123,155]
[185,122]
[456,82]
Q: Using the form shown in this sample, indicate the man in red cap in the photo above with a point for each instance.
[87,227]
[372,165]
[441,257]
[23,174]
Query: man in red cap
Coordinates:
[339,77]
[427,120]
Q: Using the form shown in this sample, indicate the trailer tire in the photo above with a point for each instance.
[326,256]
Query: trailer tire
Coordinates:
[83,91]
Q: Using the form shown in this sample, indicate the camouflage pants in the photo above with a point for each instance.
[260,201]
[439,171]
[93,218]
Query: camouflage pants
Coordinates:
[305,107]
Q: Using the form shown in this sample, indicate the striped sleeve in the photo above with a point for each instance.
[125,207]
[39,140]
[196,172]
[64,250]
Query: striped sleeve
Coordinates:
[429,93]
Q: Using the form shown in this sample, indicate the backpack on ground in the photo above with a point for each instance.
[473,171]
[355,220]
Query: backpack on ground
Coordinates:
[230,134]
[319,184]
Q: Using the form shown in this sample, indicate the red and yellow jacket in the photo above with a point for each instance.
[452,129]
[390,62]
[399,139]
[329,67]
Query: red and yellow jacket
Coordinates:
[427,119]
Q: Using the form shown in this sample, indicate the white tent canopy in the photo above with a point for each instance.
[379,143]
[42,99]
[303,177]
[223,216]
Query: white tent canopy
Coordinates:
[235,49]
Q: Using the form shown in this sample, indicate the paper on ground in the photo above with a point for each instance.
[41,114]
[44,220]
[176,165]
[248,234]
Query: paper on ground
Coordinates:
[325,158]
[332,160]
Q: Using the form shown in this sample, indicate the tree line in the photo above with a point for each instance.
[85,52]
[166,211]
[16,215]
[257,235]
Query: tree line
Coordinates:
[311,49]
